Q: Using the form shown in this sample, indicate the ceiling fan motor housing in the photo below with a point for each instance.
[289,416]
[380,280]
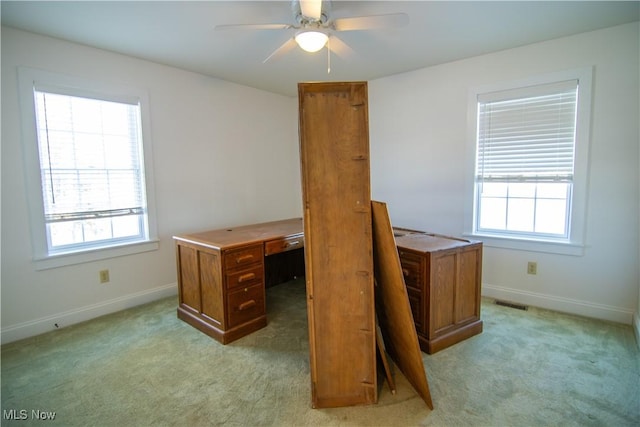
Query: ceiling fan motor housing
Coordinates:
[304,21]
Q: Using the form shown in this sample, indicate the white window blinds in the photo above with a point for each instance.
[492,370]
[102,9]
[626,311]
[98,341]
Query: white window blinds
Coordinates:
[527,134]
[91,168]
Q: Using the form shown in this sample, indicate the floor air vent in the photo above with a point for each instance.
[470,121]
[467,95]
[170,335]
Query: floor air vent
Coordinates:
[512,305]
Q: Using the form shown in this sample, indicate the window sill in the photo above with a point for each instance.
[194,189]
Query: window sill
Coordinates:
[63,260]
[531,245]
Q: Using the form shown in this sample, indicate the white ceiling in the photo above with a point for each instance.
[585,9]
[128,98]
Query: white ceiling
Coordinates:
[181,33]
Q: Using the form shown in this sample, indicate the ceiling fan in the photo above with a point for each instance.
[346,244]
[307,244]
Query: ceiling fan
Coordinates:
[315,27]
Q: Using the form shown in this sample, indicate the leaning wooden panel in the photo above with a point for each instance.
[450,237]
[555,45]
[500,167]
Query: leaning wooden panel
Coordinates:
[334,152]
[392,305]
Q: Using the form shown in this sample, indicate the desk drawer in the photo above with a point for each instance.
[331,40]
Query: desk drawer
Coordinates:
[411,269]
[243,256]
[245,277]
[246,304]
[285,244]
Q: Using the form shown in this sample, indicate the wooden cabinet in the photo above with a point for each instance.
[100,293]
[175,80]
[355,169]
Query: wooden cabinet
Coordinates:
[221,292]
[222,275]
[334,152]
[443,277]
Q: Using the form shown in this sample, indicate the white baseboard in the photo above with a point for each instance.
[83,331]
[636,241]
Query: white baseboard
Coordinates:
[636,326]
[565,305]
[47,324]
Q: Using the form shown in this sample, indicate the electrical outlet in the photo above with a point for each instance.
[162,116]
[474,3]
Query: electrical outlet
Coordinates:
[104,276]
[532,267]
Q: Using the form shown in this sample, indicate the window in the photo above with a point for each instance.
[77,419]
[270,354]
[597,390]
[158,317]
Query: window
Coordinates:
[91,171]
[89,149]
[530,161]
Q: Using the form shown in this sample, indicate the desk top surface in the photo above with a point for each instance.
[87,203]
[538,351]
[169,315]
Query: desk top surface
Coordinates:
[227,238]
[426,242]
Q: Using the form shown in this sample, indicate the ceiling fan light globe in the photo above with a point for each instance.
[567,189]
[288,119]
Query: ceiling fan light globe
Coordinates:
[311,41]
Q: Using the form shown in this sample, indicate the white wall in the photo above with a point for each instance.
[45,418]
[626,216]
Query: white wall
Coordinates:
[418,158]
[224,154]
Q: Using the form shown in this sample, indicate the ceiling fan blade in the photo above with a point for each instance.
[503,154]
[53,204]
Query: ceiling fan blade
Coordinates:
[253,27]
[373,22]
[283,49]
[339,47]
[311,8]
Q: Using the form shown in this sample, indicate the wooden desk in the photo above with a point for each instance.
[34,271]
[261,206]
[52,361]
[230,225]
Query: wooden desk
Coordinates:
[222,276]
[443,279]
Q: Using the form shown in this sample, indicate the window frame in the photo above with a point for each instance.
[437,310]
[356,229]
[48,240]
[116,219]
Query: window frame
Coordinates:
[575,242]
[30,78]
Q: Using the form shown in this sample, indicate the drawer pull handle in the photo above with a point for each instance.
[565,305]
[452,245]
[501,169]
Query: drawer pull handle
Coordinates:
[289,244]
[405,272]
[244,258]
[245,277]
[247,304]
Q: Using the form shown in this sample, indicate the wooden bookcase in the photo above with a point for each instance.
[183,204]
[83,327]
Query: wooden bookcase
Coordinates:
[334,153]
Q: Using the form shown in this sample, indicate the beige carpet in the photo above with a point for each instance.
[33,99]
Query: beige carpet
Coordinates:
[145,367]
